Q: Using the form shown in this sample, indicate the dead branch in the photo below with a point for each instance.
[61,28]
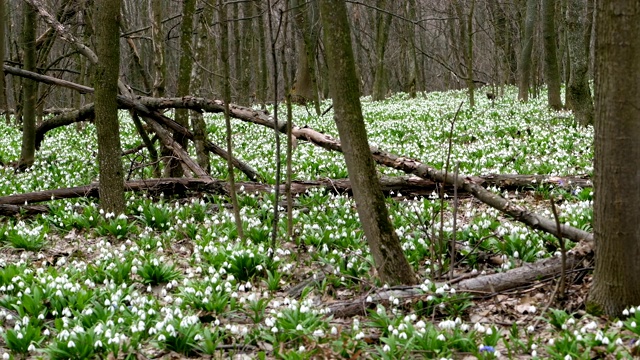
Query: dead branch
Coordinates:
[13,210]
[487,285]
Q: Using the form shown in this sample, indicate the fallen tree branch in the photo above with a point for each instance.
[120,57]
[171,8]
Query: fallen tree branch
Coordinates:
[13,210]
[87,112]
[407,165]
[166,186]
[525,275]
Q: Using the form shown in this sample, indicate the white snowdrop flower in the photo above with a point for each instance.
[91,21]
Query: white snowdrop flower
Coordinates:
[625,312]
[334,330]
[71,344]
[318,333]
[274,329]
[619,341]
[31,348]
[386,348]
[489,331]
[632,310]
[551,342]
[6,356]
[568,357]
[633,324]
[530,329]
[441,337]
[299,327]
[605,341]
[97,344]
[161,337]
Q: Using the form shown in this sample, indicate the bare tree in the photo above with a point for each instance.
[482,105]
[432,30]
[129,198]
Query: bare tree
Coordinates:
[107,25]
[392,266]
[4,104]
[383,23]
[578,92]
[551,68]
[524,68]
[616,279]
[30,89]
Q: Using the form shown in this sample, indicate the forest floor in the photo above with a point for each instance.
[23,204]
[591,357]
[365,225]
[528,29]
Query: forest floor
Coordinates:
[171,278]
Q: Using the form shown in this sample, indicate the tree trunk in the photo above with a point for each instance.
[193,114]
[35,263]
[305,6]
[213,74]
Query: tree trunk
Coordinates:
[383,23]
[245,92]
[524,68]
[30,88]
[616,278]
[261,92]
[4,104]
[391,264]
[184,78]
[551,69]
[107,71]
[197,120]
[158,49]
[466,38]
[305,88]
[226,93]
[578,92]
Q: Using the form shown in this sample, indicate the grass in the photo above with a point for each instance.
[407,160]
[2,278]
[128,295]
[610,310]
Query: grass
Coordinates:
[172,275]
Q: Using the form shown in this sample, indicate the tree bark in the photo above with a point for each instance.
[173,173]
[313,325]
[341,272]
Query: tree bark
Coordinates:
[551,69]
[616,278]
[159,63]
[524,67]
[391,264]
[383,23]
[4,104]
[173,169]
[578,92]
[106,106]
[197,120]
[30,89]
[226,93]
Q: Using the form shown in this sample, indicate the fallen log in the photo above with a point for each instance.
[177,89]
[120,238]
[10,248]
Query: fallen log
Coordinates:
[167,186]
[13,210]
[382,157]
[87,113]
[404,184]
[486,285]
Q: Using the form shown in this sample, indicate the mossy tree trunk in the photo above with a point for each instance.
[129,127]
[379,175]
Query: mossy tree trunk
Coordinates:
[184,80]
[524,66]
[380,80]
[30,89]
[391,264]
[616,278]
[551,68]
[107,26]
[578,92]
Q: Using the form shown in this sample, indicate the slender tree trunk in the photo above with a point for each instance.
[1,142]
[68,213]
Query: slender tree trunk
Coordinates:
[383,23]
[616,278]
[263,73]
[226,94]
[578,92]
[30,88]
[245,93]
[160,66]
[391,264]
[466,38]
[184,79]
[527,48]
[197,119]
[106,106]
[4,103]
[551,69]
[305,88]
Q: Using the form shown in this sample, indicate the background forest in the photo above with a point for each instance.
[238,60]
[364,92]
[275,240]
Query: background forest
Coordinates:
[415,179]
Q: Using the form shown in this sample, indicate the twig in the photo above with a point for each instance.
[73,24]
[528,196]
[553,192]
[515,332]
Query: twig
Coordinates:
[563,249]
